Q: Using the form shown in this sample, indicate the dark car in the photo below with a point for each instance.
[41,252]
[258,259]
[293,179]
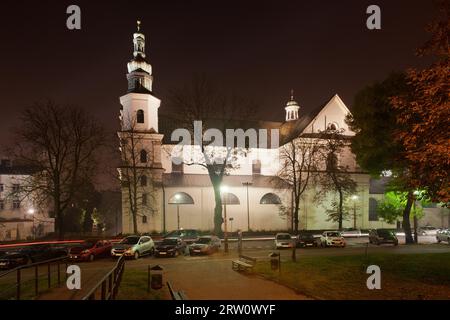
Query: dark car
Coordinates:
[205,245]
[90,250]
[170,247]
[187,235]
[31,254]
[379,236]
[10,260]
[306,240]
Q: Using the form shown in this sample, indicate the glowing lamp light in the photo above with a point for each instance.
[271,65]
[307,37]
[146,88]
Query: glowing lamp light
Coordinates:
[177,196]
[31,211]
[354,197]
[224,188]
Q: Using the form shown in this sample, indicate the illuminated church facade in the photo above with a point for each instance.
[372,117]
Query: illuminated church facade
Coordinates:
[167,196]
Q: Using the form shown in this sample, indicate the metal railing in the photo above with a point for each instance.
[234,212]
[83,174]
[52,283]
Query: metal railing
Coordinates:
[23,282]
[109,284]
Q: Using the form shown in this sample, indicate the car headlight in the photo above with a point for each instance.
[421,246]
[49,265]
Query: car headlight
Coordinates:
[130,250]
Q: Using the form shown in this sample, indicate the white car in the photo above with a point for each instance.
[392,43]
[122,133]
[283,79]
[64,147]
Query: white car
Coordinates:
[351,232]
[332,239]
[427,231]
[443,235]
[133,246]
[283,240]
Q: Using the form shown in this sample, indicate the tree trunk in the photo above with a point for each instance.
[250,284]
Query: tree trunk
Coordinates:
[218,219]
[406,223]
[296,214]
[340,209]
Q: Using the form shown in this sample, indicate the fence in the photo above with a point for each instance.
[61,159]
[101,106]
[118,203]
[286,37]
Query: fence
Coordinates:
[28,281]
[109,284]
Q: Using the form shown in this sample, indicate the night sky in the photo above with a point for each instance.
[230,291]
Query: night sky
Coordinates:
[255,49]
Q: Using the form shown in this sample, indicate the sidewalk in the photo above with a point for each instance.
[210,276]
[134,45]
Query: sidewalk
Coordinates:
[215,280]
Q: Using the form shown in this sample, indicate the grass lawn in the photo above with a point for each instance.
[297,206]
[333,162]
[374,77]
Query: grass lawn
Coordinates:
[403,276]
[134,287]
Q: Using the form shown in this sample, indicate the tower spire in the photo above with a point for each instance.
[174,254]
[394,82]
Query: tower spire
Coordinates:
[138,22]
[292,108]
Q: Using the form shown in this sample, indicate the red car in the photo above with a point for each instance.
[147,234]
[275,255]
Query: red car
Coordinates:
[90,250]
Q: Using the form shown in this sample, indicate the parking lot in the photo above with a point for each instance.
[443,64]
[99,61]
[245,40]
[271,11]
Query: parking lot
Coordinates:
[195,273]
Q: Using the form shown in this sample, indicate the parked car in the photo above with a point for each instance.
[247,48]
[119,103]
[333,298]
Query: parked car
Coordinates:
[443,235]
[427,231]
[90,250]
[205,245]
[379,236]
[283,240]
[9,260]
[306,240]
[133,246]
[187,235]
[31,254]
[170,247]
[351,232]
[332,239]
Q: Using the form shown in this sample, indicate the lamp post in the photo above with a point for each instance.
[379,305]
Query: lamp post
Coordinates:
[231,224]
[224,189]
[247,184]
[177,197]
[31,212]
[354,198]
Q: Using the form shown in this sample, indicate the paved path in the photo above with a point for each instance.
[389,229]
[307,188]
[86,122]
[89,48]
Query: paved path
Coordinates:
[213,279]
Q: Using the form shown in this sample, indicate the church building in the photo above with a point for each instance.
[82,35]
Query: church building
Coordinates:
[161,195]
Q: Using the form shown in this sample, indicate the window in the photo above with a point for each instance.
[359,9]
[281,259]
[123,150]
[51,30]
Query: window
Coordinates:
[270,198]
[144,220]
[256,167]
[16,204]
[2,187]
[2,204]
[143,156]
[140,116]
[332,127]
[16,188]
[177,166]
[143,181]
[144,199]
[373,215]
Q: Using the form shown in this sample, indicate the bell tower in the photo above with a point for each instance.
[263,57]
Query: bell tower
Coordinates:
[292,108]
[140,145]
[139,105]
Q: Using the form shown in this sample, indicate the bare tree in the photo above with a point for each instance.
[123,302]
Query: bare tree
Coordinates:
[335,178]
[60,142]
[135,173]
[298,159]
[202,101]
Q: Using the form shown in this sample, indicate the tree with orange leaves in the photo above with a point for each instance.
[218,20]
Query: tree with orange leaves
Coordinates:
[423,115]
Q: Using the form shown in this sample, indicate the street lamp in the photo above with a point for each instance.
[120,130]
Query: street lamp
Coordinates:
[354,198]
[31,212]
[224,190]
[247,184]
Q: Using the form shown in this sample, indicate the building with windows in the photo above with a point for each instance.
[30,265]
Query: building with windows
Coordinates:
[181,196]
[20,217]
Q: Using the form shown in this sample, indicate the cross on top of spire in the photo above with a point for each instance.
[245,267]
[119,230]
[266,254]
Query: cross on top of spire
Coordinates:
[138,22]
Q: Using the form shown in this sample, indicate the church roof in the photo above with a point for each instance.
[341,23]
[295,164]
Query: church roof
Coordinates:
[292,129]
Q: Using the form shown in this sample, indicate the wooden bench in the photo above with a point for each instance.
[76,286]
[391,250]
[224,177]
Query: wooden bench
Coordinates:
[244,263]
[176,295]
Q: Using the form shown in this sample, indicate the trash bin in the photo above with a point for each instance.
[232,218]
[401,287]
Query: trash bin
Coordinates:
[156,277]
[274,261]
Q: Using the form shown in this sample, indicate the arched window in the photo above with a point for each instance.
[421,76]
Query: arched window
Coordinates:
[270,198]
[332,126]
[143,156]
[229,198]
[140,116]
[143,181]
[181,198]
